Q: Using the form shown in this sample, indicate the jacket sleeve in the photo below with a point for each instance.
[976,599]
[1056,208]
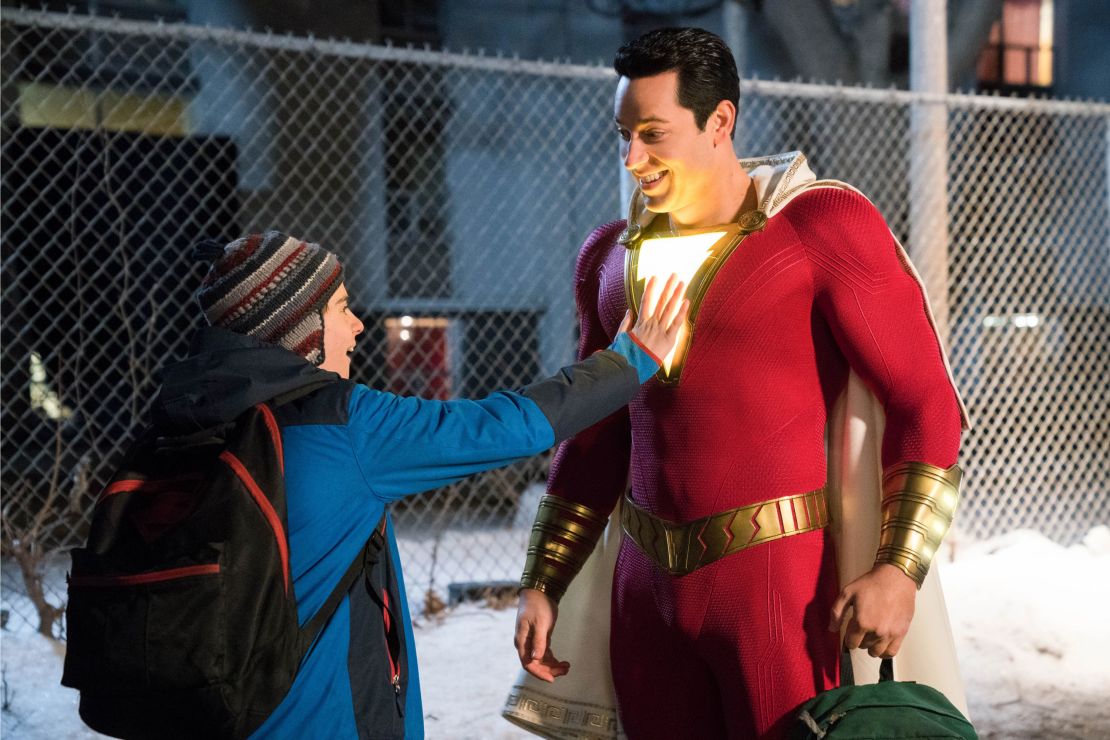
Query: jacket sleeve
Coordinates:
[405,445]
[591,468]
[877,311]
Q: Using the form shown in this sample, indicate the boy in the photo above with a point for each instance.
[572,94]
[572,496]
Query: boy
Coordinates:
[281,325]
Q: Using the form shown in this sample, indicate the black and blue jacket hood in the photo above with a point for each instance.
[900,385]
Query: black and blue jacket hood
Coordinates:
[223,376]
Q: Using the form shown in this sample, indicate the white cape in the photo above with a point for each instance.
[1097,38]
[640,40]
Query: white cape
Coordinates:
[583,704]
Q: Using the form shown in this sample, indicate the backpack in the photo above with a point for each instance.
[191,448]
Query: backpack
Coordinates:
[887,709]
[181,620]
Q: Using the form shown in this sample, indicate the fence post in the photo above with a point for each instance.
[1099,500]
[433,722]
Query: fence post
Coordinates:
[736,36]
[928,242]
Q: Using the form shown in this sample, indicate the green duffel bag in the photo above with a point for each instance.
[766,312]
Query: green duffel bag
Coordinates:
[888,709]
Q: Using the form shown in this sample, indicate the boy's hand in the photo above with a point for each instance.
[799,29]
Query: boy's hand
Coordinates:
[662,315]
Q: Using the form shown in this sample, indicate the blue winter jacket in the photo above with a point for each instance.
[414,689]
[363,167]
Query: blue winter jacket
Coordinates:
[349,452]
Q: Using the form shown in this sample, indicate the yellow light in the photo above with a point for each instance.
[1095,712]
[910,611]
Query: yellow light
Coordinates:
[1044,51]
[682,255]
[679,255]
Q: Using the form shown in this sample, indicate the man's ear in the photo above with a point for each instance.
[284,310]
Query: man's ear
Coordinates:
[723,118]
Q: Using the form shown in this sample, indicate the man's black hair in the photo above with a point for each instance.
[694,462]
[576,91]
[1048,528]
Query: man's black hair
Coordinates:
[706,69]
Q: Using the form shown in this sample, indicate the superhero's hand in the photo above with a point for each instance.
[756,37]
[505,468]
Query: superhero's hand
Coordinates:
[875,611]
[535,619]
[662,314]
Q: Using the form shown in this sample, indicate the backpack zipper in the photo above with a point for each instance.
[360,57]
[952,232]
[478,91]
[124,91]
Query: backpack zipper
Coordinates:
[141,579]
[275,433]
[127,485]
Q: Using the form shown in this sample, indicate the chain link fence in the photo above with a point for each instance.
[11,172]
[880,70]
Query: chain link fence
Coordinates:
[458,189]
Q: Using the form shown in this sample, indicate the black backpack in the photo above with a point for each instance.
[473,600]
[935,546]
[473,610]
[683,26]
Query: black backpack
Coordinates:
[181,619]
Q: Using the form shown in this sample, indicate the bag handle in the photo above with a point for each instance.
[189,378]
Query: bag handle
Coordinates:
[848,677]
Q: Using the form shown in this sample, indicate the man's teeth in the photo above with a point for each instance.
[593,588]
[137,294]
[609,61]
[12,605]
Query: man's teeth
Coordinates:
[651,178]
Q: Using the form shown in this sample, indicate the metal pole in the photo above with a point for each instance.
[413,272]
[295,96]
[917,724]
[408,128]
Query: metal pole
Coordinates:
[735,24]
[736,34]
[928,242]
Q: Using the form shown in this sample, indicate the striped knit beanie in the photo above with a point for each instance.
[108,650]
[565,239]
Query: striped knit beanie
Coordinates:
[271,287]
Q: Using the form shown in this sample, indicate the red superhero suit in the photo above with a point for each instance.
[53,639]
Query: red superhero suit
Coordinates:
[730,648]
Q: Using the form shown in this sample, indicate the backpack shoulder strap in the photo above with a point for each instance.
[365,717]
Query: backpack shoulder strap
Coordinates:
[368,552]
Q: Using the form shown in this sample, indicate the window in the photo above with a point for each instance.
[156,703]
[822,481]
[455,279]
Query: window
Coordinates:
[1018,56]
[418,357]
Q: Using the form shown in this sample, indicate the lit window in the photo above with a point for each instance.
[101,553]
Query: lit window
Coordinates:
[417,357]
[1019,52]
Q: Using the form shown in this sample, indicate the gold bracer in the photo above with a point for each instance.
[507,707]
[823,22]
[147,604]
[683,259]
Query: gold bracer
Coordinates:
[919,501]
[563,536]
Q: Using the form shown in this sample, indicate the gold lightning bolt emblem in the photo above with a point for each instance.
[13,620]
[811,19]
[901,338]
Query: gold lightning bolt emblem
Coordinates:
[695,255]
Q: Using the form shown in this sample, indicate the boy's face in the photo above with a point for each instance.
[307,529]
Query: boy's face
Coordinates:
[340,329]
[661,145]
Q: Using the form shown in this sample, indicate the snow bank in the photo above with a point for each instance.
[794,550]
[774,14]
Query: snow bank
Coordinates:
[1032,623]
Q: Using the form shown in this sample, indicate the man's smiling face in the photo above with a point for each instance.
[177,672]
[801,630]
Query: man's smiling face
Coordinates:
[662,146]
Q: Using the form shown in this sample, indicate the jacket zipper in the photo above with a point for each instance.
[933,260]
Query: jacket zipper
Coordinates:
[394,668]
[387,624]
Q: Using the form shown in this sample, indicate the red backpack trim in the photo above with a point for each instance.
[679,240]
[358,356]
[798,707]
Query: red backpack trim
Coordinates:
[267,511]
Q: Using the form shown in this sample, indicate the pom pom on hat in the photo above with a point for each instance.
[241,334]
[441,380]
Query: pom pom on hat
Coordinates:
[208,250]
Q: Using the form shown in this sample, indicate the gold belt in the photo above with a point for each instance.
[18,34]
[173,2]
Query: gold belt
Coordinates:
[683,548]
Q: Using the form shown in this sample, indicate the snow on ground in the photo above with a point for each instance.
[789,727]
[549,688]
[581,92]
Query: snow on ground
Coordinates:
[35,704]
[1032,622]
[467,663]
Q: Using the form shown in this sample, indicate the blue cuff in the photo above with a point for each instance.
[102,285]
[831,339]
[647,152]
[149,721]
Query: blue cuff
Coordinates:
[646,365]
